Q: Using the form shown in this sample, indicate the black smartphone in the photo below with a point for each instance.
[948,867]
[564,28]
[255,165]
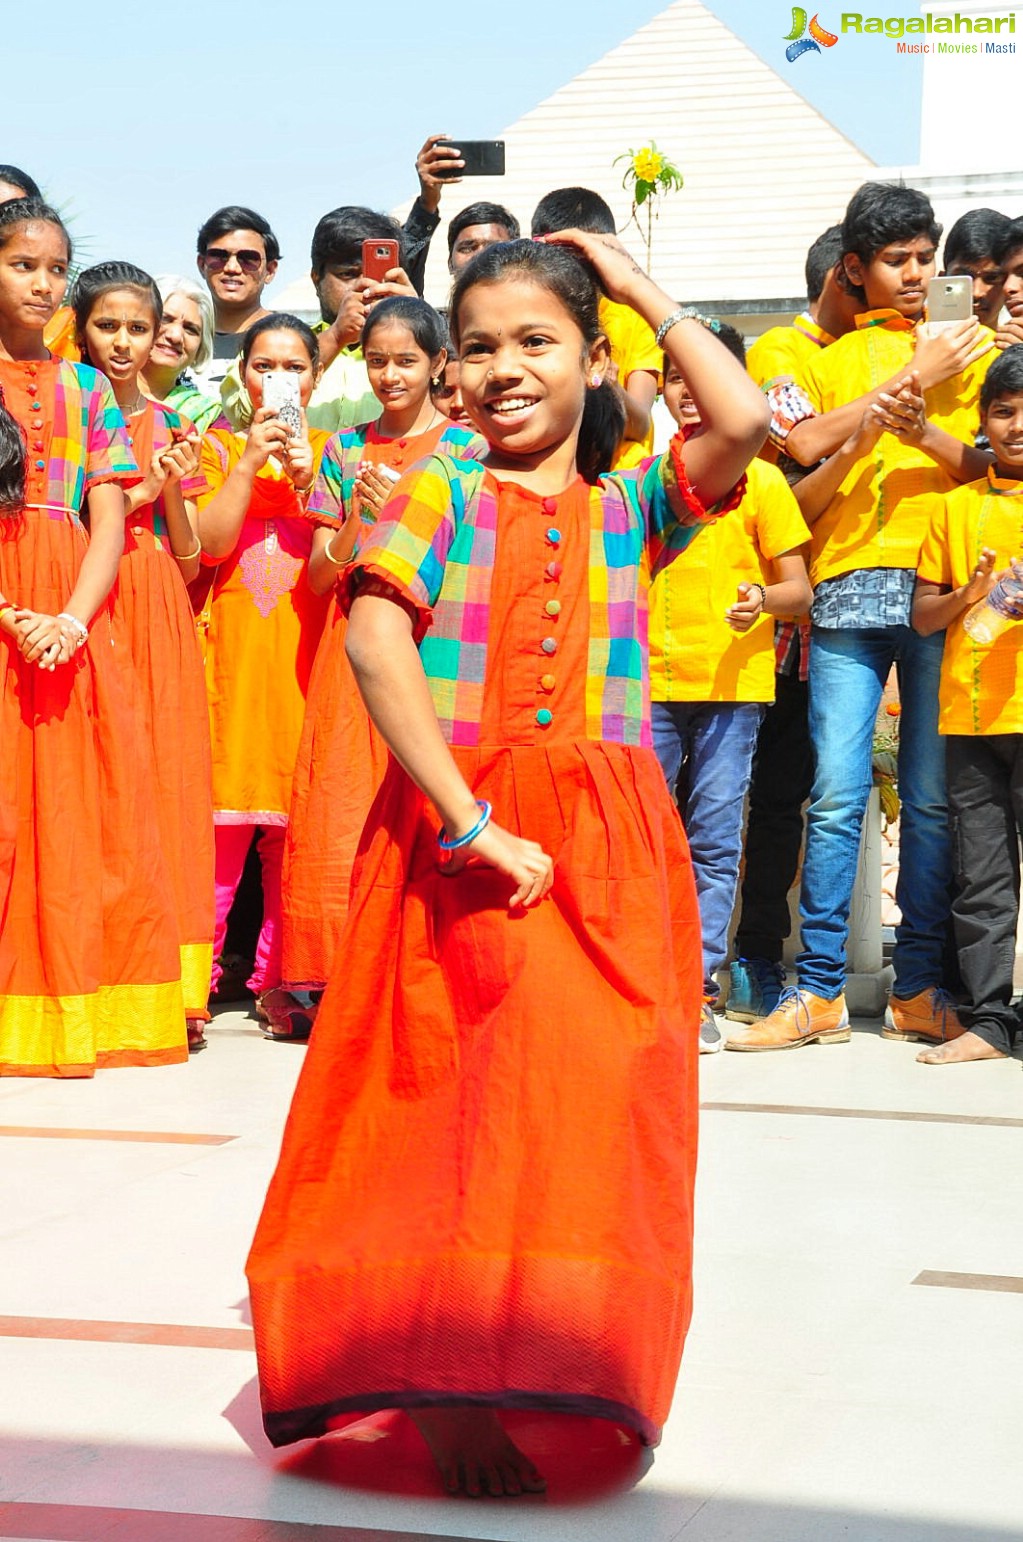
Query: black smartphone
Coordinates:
[482,157]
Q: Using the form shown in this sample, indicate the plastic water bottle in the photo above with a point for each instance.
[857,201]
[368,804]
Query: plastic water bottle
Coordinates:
[998,610]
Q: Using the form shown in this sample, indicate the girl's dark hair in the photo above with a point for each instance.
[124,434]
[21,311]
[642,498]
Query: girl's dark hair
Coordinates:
[15,177]
[12,464]
[427,327]
[1004,378]
[93,283]
[282,321]
[27,211]
[571,281]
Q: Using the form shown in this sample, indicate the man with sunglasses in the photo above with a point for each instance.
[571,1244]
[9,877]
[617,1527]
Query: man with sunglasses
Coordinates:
[237,256]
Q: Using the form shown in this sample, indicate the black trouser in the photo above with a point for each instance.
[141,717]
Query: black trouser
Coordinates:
[782,775]
[985,798]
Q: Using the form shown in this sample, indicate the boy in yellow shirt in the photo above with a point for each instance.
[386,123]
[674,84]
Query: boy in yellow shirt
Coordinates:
[863,560]
[975,532]
[712,672]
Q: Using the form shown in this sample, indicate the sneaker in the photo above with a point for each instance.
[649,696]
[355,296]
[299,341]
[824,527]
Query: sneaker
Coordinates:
[754,989]
[710,1033]
[799,1018]
[927,1018]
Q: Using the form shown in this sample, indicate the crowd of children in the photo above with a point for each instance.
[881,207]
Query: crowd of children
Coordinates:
[406,600]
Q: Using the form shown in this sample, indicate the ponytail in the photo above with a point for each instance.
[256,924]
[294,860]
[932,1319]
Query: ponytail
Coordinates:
[601,430]
[12,464]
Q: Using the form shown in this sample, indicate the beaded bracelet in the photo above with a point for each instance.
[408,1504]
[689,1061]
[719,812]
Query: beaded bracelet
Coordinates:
[684,313]
[763,595]
[470,835]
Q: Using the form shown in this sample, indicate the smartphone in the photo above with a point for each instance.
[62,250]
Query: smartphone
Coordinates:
[482,157]
[281,393]
[949,299]
[378,258]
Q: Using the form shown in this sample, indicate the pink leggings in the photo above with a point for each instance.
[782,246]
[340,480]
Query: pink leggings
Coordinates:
[232,847]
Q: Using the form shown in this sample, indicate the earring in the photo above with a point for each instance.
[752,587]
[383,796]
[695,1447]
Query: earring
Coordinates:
[435,382]
[596,380]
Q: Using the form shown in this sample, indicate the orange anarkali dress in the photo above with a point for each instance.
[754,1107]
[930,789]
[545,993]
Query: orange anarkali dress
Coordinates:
[151,601]
[89,964]
[485,1188]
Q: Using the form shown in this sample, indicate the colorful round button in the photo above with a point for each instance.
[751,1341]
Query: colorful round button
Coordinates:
[553,570]
[545,717]
[37,406]
[550,505]
[549,645]
[554,536]
[547,682]
[553,607]
[40,465]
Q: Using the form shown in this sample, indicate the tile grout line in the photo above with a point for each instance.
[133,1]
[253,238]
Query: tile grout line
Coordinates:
[905,1115]
[141,1137]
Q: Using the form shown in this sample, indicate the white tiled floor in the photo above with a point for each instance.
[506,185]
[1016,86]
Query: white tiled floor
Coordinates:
[823,1394]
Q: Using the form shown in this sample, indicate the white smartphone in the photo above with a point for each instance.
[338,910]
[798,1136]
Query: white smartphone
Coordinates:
[949,299]
[281,394]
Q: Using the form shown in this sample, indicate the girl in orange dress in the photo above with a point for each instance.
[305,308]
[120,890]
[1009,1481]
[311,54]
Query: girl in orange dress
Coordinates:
[264,625]
[484,1196]
[341,759]
[117,314]
[89,964]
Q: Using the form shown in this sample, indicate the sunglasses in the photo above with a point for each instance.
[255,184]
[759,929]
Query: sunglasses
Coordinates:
[216,259]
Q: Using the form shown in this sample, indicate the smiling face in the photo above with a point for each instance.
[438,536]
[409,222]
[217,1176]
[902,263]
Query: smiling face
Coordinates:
[896,277]
[236,269]
[119,334]
[33,275]
[279,350]
[678,400]
[524,367]
[179,336]
[1003,424]
[399,370]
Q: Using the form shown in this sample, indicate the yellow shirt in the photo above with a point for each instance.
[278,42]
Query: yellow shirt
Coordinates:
[694,654]
[981,689]
[633,347]
[877,519]
[783,353]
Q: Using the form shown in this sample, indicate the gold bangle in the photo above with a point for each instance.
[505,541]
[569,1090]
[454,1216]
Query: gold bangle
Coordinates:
[189,555]
[339,562]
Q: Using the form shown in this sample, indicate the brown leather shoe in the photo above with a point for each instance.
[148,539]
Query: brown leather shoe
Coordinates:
[927,1018]
[799,1018]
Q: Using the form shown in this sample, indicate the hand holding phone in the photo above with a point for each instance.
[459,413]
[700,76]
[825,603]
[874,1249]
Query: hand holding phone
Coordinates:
[281,396]
[949,299]
[481,158]
[378,259]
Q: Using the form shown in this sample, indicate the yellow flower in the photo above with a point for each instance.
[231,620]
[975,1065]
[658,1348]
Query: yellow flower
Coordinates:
[647,164]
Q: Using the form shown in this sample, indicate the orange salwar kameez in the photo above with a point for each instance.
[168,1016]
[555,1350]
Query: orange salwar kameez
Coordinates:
[89,966]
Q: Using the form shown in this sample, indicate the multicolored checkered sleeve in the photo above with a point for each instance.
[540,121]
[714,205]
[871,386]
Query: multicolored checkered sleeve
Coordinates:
[668,505]
[109,456]
[408,546]
[211,473]
[326,505]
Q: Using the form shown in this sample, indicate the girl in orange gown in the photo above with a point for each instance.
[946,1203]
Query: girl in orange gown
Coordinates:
[264,626]
[341,759]
[484,1196]
[117,313]
[89,964]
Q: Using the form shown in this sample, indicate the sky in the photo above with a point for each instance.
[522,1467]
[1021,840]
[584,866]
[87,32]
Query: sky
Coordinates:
[142,125]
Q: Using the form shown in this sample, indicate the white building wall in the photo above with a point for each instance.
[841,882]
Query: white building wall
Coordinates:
[969,119]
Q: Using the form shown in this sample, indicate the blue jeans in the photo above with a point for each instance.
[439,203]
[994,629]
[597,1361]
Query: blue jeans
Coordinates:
[848,670]
[706,753]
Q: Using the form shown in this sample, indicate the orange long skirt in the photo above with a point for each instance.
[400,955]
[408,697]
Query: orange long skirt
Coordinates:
[341,764]
[89,967]
[485,1191]
[152,602]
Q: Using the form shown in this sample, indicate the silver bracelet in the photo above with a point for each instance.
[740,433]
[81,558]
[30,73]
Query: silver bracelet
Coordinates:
[79,626]
[684,313]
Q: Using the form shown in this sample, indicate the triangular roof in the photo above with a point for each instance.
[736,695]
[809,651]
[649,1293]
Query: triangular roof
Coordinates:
[765,173]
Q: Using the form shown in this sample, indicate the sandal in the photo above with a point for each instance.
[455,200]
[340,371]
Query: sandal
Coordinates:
[197,1039]
[282,1017]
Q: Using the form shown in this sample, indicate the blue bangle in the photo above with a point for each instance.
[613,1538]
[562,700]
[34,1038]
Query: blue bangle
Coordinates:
[470,835]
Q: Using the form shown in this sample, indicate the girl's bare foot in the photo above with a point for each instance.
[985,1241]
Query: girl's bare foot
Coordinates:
[474,1454]
[969,1046]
